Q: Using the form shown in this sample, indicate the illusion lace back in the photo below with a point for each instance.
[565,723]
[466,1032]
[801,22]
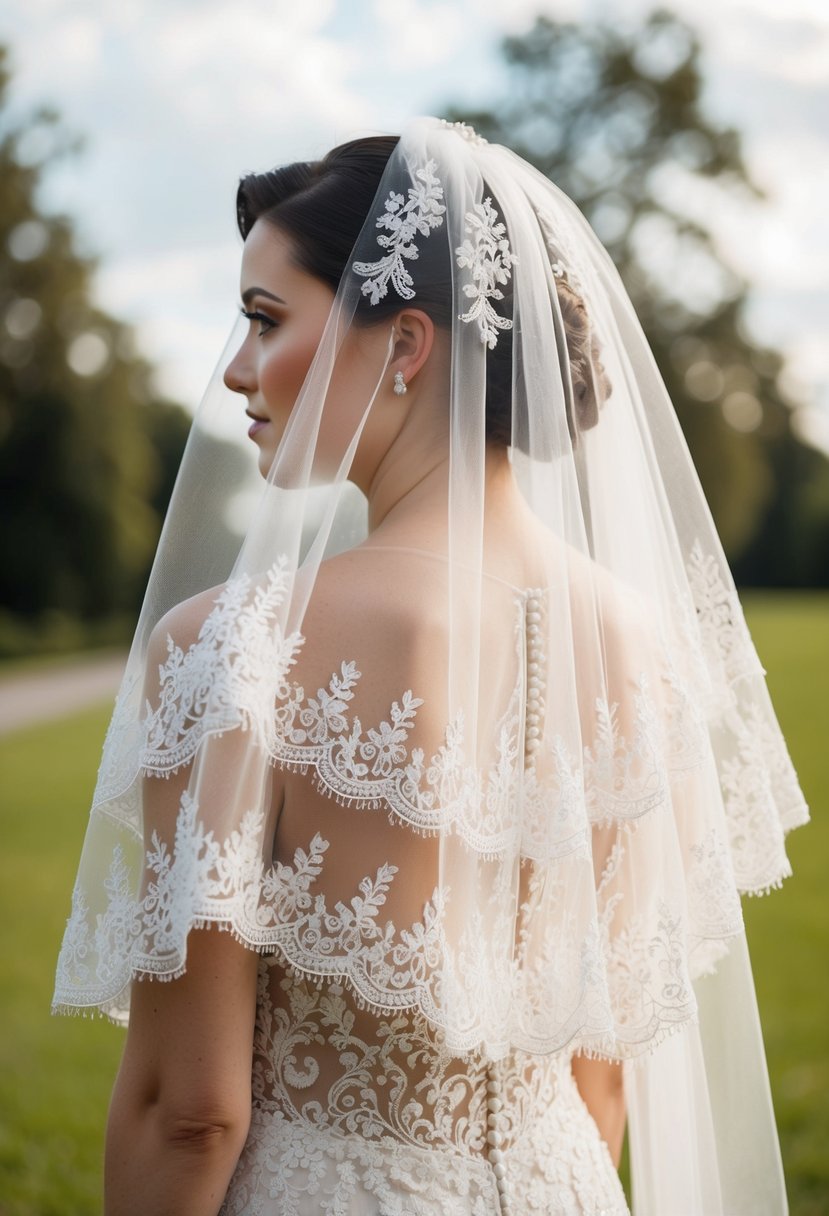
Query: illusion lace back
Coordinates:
[361,1111]
[367,1096]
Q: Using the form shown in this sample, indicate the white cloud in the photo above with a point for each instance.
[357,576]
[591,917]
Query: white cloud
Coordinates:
[518,15]
[140,284]
[777,45]
[811,354]
[422,33]
[80,43]
[813,11]
[236,65]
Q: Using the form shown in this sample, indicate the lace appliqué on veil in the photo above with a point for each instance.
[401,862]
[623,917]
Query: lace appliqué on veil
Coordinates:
[267,906]
[487,254]
[723,635]
[558,995]
[759,785]
[403,220]
[211,689]
[235,674]
[624,777]
[239,689]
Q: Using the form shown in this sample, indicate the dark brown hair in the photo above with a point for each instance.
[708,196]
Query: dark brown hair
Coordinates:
[322,206]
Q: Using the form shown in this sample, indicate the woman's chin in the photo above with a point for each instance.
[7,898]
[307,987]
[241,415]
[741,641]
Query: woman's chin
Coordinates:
[266,456]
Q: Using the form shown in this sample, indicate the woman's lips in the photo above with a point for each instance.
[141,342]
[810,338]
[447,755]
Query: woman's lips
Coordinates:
[256,425]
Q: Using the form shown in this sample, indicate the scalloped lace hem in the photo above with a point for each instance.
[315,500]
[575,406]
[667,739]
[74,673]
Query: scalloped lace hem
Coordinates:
[627,1043]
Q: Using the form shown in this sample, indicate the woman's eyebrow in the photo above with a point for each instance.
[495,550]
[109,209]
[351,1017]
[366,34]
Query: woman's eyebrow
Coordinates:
[248,295]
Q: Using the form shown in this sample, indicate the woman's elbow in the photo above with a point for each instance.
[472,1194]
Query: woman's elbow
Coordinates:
[164,1157]
[204,1129]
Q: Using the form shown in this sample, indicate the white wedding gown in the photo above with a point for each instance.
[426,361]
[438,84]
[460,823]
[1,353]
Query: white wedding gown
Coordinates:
[360,1112]
[359,1107]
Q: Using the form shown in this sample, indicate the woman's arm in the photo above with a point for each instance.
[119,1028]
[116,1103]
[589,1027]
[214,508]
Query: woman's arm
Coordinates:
[600,1085]
[181,1105]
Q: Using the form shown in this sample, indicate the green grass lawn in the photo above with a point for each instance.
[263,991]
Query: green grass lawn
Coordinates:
[788,930]
[56,1073]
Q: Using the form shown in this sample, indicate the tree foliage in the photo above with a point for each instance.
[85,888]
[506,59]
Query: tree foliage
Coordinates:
[616,119]
[88,451]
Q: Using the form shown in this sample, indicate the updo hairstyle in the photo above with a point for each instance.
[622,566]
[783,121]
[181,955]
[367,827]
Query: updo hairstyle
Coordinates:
[322,206]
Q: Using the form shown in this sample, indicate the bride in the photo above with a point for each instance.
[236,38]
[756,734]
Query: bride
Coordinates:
[460,735]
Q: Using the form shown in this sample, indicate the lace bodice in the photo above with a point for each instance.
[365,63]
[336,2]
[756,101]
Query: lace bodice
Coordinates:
[356,1110]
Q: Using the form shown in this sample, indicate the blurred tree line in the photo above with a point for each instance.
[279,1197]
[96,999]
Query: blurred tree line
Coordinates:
[88,450]
[615,119]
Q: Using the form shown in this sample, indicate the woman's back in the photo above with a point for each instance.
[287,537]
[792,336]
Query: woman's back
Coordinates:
[360,1103]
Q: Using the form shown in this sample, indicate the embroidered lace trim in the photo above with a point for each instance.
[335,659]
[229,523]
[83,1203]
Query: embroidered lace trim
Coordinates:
[615,981]
[560,976]
[247,657]
[403,220]
[486,253]
[616,778]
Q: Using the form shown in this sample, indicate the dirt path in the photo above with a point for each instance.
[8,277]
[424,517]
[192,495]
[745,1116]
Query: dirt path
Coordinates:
[39,696]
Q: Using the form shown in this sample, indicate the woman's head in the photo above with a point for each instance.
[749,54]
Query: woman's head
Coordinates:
[321,207]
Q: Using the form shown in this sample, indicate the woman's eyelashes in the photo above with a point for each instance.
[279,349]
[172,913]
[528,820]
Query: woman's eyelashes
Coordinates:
[267,322]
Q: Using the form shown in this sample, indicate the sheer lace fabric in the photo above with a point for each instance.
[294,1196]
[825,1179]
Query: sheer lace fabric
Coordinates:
[362,775]
[356,1111]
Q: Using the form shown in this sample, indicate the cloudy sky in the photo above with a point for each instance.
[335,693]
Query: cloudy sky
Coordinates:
[177,98]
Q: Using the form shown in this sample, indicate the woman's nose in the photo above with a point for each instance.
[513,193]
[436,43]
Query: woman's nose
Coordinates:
[237,375]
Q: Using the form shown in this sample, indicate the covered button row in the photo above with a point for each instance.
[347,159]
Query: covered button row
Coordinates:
[494,1139]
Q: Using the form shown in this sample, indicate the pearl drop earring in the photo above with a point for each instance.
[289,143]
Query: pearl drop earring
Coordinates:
[400,386]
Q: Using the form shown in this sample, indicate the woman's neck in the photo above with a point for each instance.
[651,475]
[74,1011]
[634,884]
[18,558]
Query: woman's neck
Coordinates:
[409,494]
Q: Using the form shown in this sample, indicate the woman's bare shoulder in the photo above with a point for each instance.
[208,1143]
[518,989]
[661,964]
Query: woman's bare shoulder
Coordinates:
[182,624]
[384,617]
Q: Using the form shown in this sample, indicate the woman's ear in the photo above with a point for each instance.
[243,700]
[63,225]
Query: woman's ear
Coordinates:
[414,332]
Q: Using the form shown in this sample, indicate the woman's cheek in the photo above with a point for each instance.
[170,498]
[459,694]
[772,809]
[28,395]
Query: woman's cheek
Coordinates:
[283,374]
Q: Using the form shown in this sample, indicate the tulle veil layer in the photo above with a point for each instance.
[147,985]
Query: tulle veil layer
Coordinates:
[547,738]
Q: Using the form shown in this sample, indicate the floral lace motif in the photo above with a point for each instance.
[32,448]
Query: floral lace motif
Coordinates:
[759,786]
[403,220]
[293,1169]
[712,890]
[747,778]
[124,737]
[240,690]
[551,994]
[240,645]
[267,906]
[487,254]
[726,644]
[580,959]
[386,1074]
[354,1108]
